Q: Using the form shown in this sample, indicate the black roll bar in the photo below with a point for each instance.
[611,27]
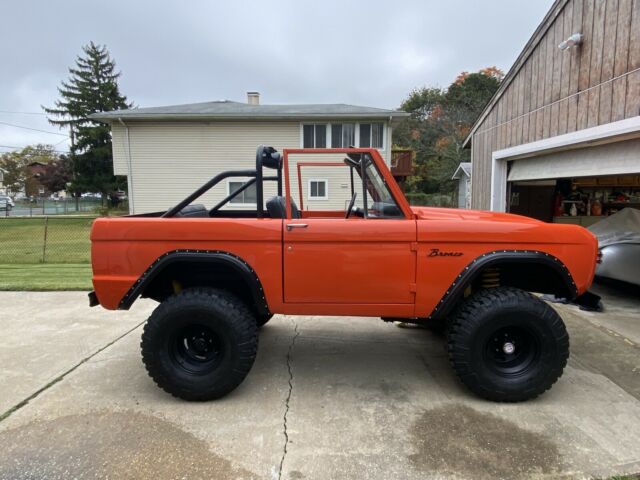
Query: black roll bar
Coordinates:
[270,158]
[233,195]
[221,176]
[265,157]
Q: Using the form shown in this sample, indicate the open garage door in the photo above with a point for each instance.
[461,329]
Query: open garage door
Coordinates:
[610,159]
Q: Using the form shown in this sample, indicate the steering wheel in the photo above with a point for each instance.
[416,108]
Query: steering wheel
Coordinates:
[351,204]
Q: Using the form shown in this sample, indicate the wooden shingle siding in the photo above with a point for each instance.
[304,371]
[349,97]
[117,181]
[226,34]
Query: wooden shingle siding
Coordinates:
[552,92]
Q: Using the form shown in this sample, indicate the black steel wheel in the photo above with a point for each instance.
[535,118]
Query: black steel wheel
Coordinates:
[197,348]
[199,344]
[507,345]
[512,350]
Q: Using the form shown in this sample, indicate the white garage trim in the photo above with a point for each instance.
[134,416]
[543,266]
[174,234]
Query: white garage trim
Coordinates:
[611,132]
[617,158]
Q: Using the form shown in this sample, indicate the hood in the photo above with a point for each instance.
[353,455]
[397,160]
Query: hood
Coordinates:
[434,213]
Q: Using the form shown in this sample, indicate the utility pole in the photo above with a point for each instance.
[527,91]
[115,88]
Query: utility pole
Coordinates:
[72,154]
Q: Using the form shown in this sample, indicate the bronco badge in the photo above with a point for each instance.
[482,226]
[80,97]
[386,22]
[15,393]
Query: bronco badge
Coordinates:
[435,252]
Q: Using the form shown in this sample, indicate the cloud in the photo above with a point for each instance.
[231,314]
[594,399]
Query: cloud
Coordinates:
[362,52]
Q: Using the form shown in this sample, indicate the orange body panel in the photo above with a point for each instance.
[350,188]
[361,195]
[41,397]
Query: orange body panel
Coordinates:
[123,248]
[337,266]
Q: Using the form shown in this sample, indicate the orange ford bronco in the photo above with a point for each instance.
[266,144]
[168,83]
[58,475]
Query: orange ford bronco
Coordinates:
[221,273]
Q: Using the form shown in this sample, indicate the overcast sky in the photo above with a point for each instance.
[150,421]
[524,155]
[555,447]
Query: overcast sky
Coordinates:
[369,53]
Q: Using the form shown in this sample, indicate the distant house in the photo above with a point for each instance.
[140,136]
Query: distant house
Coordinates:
[463,175]
[2,172]
[167,152]
[33,187]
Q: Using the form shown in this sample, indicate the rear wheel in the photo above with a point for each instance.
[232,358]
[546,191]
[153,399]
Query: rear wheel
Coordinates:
[507,345]
[199,344]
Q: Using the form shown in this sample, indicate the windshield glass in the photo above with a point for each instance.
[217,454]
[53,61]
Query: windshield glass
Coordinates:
[380,202]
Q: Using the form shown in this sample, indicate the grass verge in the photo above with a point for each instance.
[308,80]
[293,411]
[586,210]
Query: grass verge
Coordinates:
[22,240]
[43,277]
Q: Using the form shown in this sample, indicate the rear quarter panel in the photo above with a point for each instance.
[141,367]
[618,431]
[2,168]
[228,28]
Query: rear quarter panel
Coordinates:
[123,248]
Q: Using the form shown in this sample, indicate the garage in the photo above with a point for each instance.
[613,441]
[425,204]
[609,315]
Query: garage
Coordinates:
[578,186]
[560,139]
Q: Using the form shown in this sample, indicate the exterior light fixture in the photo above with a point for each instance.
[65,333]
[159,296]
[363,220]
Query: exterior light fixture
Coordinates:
[572,41]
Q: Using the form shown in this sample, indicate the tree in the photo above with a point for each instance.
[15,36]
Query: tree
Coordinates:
[91,88]
[15,171]
[57,174]
[18,177]
[439,123]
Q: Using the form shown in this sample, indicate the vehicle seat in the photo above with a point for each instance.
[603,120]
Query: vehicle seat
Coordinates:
[194,210]
[277,208]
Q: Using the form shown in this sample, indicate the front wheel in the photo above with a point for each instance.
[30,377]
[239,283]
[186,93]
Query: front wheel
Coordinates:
[199,344]
[507,345]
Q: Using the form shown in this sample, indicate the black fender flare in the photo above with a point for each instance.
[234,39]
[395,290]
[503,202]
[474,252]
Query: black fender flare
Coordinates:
[213,257]
[470,272]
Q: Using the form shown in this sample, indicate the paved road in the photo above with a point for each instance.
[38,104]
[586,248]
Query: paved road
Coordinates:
[327,398]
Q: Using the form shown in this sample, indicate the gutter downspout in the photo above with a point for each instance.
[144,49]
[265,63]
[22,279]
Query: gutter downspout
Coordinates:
[129,168]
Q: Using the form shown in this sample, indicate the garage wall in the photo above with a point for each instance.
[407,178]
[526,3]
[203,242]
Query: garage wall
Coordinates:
[550,92]
[172,159]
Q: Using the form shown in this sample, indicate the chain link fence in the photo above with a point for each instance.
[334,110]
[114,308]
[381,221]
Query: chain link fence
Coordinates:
[25,240]
[46,206]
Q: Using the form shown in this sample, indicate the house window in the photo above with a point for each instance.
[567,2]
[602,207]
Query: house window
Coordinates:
[247,197]
[343,135]
[372,135]
[314,135]
[318,189]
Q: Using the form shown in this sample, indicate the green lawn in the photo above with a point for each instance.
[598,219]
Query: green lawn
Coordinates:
[48,276]
[22,240]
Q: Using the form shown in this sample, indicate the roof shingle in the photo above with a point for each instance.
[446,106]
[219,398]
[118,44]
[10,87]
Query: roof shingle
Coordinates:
[227,109]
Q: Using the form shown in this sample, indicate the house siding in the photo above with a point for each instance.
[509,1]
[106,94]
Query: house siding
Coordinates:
[555,92]
[169,160]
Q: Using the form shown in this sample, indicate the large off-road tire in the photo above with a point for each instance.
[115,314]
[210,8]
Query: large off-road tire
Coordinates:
[199,344]
[507,345]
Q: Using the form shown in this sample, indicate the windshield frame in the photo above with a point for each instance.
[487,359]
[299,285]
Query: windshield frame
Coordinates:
[375,159]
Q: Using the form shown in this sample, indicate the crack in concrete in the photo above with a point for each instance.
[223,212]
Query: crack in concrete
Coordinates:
[286,410]
[57,379]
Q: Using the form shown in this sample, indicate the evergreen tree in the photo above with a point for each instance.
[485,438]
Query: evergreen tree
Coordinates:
[91,88]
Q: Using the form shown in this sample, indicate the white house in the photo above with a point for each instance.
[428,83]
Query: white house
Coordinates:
[167,152]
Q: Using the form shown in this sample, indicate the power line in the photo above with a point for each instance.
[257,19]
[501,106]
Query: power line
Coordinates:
[34,129]
[22,113]
[20,148]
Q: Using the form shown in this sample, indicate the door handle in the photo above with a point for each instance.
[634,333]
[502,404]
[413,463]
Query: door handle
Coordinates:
[291,226]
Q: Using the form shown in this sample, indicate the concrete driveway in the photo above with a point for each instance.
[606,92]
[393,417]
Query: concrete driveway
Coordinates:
[327,398]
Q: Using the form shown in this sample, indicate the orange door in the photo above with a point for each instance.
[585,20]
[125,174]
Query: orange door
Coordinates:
[349,261]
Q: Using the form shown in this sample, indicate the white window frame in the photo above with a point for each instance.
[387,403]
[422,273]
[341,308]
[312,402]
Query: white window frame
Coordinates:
[237,204]
[327,134]
[326,189]
[385,131]
[384,134]
[330,137]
